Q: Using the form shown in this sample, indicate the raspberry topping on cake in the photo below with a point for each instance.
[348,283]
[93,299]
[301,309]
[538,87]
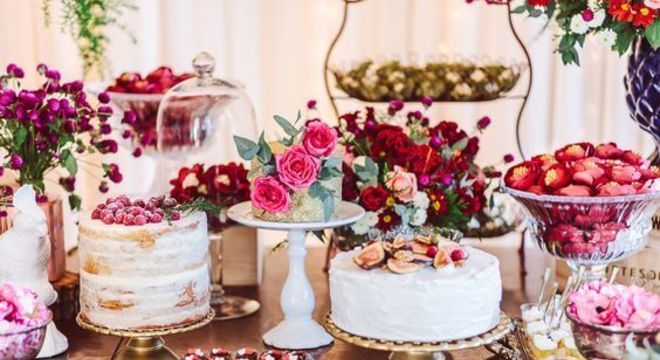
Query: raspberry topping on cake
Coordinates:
[122,211]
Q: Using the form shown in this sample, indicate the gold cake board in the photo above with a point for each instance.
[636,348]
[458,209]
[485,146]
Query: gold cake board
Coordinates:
[409,350]
[144,344]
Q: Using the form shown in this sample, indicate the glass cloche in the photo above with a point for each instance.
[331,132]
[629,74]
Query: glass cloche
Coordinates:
[198,117]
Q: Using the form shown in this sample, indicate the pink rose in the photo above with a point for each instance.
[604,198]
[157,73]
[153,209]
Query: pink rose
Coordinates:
[402,184]
[592,307]
[270,195]
[319,139]
[296,168]
[653,4]
[587,171]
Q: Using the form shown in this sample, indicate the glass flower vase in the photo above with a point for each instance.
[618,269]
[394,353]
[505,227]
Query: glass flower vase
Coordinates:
[589,231]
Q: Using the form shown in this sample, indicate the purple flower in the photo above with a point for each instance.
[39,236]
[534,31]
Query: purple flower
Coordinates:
[137,152]
[103,187]
[106,129]
[446,180]
[69,126]
[435,142]
[16,162]
[2,170]
[107,146]
[28,98]
[7,97]
[53,105]
[15,71]
[129,118]
[42,68]
[311,104]
[126,134]
[394,107]
[427,101]
[424,180]
[508,158]
[104,98]
[483,123]
[53,75]
[104,110]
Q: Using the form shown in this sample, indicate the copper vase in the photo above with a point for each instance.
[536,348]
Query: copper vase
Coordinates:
[55,218]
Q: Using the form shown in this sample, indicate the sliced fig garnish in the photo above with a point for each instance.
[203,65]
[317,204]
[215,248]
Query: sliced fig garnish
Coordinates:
[405,255]
[441,259]
[425,239]
[371,256]
[399,242]
[419,247]
[402,267]
[422,258]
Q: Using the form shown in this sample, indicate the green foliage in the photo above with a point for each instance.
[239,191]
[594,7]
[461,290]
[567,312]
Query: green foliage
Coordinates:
[247,149]
[652,35]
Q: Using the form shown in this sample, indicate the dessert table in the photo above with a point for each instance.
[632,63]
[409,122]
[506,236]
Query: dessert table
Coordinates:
[519,287]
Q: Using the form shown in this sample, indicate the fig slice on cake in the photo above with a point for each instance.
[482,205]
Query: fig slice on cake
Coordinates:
[371,256]
[402,267]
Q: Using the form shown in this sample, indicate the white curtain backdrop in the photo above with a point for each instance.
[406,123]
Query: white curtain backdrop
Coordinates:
[276,48]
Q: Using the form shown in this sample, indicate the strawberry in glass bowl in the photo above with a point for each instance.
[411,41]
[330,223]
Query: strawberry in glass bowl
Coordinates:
[142,96]
[589,205]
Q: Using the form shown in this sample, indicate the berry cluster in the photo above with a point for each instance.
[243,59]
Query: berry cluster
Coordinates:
[583,169]
[123,211]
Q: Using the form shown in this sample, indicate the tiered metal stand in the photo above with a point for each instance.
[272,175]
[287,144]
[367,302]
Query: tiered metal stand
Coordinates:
[144,344]
[408,350]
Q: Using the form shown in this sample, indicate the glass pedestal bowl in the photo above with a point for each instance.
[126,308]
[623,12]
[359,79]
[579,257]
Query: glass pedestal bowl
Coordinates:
[589,231]
[603,342]
[22,344]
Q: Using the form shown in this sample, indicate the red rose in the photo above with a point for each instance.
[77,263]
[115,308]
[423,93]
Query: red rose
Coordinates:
[522,176]
[188,185]
[392,145]
[373,198]
[423,160]
[227,184]
[555,177]
[575,151]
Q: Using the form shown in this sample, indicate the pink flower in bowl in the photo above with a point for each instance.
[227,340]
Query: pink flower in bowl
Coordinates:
[319,139]
[626,174]
[270,195]
[613,188]
[296,168]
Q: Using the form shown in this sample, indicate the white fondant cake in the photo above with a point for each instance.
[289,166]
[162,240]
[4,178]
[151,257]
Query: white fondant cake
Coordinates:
[151,276]
[426,305]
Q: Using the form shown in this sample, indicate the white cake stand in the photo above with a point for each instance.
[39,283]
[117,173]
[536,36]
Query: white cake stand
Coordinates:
[298,330]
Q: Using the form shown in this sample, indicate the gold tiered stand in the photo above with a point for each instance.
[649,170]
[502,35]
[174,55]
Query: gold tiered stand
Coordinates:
[144,344]
[408,350]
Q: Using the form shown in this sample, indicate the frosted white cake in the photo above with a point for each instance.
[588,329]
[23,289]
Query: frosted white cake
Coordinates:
[150,276]
[426,305]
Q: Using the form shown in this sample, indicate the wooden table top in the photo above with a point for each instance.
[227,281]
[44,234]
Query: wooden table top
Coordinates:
[246,332]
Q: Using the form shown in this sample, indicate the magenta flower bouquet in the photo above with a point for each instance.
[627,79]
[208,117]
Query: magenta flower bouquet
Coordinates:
[53,127]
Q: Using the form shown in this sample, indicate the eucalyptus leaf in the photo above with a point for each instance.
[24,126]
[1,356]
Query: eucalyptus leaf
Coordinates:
[286,126]
[332,162]
[328,206]
[268,169]
[265,153]
[247,148]
[459,145]
[315,190]
[254,170]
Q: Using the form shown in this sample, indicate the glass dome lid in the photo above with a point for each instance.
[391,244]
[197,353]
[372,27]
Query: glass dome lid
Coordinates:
[201,115]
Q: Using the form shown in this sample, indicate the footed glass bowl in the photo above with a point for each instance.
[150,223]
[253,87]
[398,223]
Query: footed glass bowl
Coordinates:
[589,231]
[145,107]
[603,342]
[23,344]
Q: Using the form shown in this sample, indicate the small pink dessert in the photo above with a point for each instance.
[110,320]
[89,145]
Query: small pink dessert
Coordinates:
[297,355]
[616,306]
[246,354]
[271,355]
[194,354]
[220,354]
[23,320]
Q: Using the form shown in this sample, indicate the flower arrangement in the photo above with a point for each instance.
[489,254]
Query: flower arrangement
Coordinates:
[614,23]
[304,162]
[615,305]
[53,127]
[403,171]
[86,21]
[124,92]
[22,321]
[448,81]
[223,185]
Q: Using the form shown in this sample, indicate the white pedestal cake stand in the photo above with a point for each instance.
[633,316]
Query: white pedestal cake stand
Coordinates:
[298,330]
